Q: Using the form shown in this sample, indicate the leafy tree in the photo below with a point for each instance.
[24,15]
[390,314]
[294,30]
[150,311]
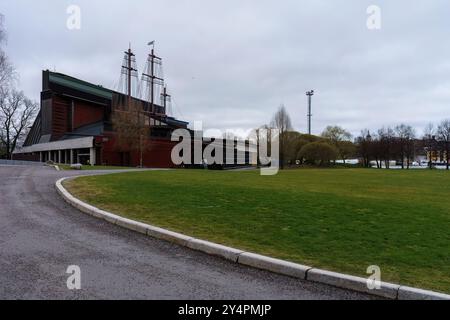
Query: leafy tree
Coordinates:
[336,134]
[292,146]
[295,142]
[318,152]
[310,137]
[340,138]
[346,149]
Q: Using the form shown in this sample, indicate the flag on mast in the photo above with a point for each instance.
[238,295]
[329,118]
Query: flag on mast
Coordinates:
[151,43]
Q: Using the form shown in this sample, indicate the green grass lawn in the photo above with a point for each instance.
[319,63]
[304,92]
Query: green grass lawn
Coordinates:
[341,220]
[67,167]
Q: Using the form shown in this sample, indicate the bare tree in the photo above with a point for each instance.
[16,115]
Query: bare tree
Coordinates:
[6,68]
[16,116]
[405,136]
[2,31]
[282,122]
[16,111]
[429,140]
[364,146]
[132,127]
[386,137]
[443,133]
[376,150]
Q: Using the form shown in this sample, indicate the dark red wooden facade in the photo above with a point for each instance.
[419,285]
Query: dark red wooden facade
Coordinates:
[71,108]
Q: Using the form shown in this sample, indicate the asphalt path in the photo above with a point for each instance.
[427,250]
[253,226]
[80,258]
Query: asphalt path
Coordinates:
[41,236]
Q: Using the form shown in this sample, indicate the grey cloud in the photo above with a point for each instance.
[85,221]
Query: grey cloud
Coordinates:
[231,63]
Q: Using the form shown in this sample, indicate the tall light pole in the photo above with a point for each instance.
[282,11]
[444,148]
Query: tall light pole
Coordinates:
[309,94]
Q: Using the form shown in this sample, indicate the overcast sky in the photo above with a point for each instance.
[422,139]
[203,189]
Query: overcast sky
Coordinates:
[231,63]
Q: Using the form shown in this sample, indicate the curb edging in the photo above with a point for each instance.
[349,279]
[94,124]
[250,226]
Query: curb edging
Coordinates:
[274,265]
[409,293]
[340,280]
[386,290]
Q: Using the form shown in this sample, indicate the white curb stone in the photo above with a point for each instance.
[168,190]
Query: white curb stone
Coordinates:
[167,235]
[83,207]
[98,214]
[345,281]
[107,216]
[408,293]
[132,225]
[215,249]
[275,265]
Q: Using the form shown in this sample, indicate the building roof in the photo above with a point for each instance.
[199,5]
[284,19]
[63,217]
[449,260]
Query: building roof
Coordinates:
[93,129]
[80,85]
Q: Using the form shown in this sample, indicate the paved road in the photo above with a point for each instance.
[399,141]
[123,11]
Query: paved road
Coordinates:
[40,236]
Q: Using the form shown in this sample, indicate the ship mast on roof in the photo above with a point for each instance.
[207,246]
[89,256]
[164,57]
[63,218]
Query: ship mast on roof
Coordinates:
[128,83]
[152,80]
[151,88]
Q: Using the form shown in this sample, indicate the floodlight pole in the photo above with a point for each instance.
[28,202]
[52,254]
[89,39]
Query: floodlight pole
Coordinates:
[309,94]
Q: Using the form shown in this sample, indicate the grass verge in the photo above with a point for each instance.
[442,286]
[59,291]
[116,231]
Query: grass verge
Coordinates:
[340,220]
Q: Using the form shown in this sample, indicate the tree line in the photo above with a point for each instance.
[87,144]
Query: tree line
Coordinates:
[298,149]
[399,143]
[402,144]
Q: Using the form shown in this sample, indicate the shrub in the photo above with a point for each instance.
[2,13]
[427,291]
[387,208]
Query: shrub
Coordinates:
[318,152]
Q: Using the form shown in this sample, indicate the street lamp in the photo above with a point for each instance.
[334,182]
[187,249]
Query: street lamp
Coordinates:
[309,94]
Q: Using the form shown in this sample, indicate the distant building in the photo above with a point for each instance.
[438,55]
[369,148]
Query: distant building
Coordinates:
[437,156]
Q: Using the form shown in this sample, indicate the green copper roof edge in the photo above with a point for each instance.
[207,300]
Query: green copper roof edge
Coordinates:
[80,85]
